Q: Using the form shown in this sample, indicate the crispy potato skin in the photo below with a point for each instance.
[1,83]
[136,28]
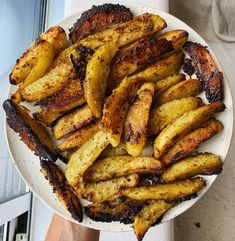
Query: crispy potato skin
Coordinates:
[66,99]
[79,137]
[116,166]
[72,121]
[104,190]
[206,70]
[97,19]
[163,115]
[122,209]
[85,156]
[116,105]
[192,141]
[185,88]
[62,190]
[202,164]
[149,216]
[167,191]
[135,127]
[19,122]
[183,125]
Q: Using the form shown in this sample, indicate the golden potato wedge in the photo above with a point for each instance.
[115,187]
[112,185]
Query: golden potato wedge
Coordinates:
[62,190]
[202,164]
[117,166]
[116,105]
[49,84]
[142,53]
[101,191]
[85,156]
[31,133]
[47,117]
[183,125]
[164,84]
[163,115]
[192,141]
[185,88]
[66,99]
[97,72]
[135,127]
[122,209]
[109,151]
[79,137]
[72,121]
[168,191]
[149,216]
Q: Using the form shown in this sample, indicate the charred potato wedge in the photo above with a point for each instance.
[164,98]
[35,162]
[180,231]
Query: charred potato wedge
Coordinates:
[116,105]
[192,141]
[97,71]
[72,121]
[49,84]
[168,191]
[206,70]
[32,134]
[144,52]
[202,164]
[183,125]
[117,166]
[79,137]
[121,209]
[149,216]
[62,190]
[97,19]
[185,88]
[101,191]
[85,156]
[135,128]
[164,84]
[110,151]
[163,115]
[66,99]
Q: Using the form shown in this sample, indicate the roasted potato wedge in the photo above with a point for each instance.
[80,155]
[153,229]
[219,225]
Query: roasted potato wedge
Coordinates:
[31,133]
[202,164]
[72,121]
[62,190]
[135,127]
[47,117]
[97,72]
[206,70]
[164,84]
[117,166]
[116,105]
[144,52]
[163,115]
[168,191]
[97,19]
[101,191]
[110,151]
[79,137]
[85,156]
[122,209]
[66,99]
[185,88]
[192,141]
[49,84]
[149,216]
[183,125]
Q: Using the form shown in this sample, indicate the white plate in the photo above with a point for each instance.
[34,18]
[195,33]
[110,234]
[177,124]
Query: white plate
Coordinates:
[28,164]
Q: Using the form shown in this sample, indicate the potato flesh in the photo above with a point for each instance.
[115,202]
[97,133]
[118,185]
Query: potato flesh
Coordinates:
[116,166]
[183,125]
[110,151]
[202,164]
[163,115]
[85,156]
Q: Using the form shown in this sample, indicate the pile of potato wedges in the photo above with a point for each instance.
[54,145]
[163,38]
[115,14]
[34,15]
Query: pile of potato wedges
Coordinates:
[112,90]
